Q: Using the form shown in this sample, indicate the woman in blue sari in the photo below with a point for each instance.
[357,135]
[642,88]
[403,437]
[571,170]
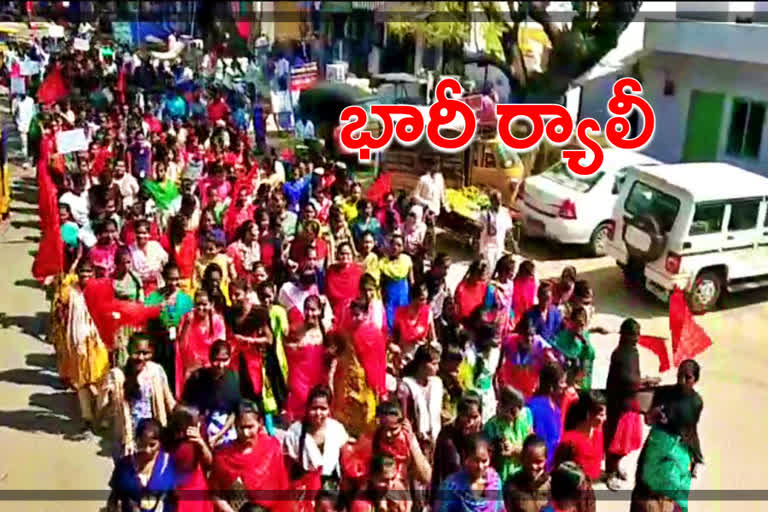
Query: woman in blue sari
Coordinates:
[143,481]
[477,487]
[396,278]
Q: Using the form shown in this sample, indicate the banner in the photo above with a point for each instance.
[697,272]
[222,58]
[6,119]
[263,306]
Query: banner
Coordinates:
[71,141]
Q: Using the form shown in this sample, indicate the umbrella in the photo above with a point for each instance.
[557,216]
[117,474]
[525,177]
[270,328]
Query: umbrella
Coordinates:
[325,101]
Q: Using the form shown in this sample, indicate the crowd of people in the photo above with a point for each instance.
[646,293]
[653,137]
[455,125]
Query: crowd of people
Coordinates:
[261,332]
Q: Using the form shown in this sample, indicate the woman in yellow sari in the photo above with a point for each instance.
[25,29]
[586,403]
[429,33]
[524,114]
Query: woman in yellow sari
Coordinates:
[359,379]
[81,356]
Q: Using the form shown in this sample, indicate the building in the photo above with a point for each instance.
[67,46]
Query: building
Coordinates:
[704,71]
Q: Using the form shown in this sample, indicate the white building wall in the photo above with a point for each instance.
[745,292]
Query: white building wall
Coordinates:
[734,79]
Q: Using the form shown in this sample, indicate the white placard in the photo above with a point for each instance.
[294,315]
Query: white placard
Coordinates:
[81,44]
[637,238]
[30,68]
[71,141]
[55,31]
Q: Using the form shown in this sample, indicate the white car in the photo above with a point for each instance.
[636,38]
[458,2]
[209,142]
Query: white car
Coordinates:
[700,227]
[571,209]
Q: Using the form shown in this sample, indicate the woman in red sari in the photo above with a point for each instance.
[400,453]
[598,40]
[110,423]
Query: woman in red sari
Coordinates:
[582,443]
[342,280]
[471,291]
[414,324]
[252,464]
[305,352]
[197,331]
[191,459]
[524,291]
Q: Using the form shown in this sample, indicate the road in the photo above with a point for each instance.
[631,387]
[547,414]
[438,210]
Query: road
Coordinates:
[38,418]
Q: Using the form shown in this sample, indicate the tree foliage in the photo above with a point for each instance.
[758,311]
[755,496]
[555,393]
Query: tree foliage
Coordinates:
[575,47]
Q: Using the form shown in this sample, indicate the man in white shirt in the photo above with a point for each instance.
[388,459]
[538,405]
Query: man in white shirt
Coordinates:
[129,187]
[25,111]
[430,190]
[496,221]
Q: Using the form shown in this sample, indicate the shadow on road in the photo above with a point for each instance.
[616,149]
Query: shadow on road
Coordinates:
[30,377]
[544,250]
[32,325]
[614,298]
[46,361]
[52,414]
[29,283]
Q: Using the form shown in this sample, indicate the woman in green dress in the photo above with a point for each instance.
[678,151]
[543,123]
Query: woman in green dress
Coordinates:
[175,304]
[575,347]
[507,431]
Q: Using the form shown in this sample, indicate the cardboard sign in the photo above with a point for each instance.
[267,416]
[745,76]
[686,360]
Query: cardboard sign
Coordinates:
[55,31]
[80,44]
[30,67]
[71,141]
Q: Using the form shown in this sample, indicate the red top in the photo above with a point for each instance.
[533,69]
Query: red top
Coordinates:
[469,297]
[582,449]
[217,110]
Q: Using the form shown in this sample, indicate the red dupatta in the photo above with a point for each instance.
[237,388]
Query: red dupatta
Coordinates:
[370,345]
[53,88]
[186,255]
[262,472]
[110,313]
[342,282]
[469,297]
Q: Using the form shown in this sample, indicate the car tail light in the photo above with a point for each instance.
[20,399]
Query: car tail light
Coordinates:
[672,264]
[567,210]
[611,225]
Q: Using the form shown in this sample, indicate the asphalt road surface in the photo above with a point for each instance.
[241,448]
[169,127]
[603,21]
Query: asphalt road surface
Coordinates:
[42,454]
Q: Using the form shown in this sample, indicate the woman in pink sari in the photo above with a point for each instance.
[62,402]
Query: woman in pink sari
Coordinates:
[197,331]
[500,297]
[305,352]
[245,252]
[526,285]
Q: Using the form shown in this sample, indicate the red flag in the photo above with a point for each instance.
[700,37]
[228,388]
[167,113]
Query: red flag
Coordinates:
[50,255]
[380,188]
[110,313]
[53,88]
[659,347]
[688,338]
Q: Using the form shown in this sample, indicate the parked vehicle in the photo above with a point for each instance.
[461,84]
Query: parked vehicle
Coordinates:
[564,207]
[701,227]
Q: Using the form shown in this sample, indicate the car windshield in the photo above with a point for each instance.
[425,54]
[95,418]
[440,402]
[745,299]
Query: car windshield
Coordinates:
[560,174]
[646,200]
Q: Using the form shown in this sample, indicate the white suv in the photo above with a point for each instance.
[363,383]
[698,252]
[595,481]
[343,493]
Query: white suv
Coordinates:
[699,226]
[571,209]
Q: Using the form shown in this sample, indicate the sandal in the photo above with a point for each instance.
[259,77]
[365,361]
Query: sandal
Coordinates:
[621,475]
[613,483]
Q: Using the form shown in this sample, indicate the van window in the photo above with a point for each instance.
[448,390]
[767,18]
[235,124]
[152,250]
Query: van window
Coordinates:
[646,200]
[708,218]
[744,215]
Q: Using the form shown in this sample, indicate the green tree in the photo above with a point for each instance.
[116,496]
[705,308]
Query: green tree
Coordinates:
[576,47]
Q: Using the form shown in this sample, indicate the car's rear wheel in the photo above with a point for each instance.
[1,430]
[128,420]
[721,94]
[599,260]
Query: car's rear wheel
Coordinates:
[706,292]
[599,240]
